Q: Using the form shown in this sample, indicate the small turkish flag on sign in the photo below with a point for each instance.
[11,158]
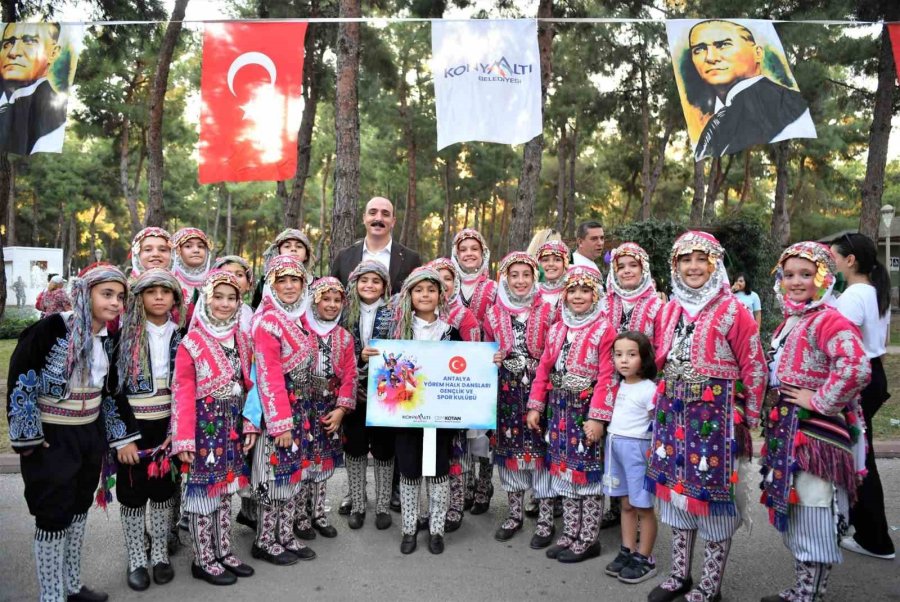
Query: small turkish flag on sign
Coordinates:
[250,84]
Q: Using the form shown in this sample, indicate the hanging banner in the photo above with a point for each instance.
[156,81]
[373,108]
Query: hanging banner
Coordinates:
[735,84]
[487,81]
[894,33]
[432,384]
[37,67]
[250,85]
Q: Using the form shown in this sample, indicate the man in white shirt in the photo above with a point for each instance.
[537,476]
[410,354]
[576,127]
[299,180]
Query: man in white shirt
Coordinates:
[589,241]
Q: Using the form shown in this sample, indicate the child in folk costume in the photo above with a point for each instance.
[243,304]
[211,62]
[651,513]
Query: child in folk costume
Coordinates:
[478,292]
[192,260]
[331,396]
[575,384]
[283,360]
[553,257]
[459,317]
[150,248]
[62,378]
[212,373]
[239,267]
[290,241]
[817,371]
[706,341]
[418,316]
[149,341]
[631,302]
[367,317]
[519,321]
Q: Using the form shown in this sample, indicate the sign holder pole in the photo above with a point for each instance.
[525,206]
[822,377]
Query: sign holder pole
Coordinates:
[429,452]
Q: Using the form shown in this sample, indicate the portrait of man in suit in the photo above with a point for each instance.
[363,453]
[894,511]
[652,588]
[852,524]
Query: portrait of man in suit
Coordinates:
[736,87]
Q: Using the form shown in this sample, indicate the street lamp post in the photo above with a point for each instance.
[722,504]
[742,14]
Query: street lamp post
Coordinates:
[887,216]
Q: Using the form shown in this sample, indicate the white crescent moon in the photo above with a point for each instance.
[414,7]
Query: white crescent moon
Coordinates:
[251,58]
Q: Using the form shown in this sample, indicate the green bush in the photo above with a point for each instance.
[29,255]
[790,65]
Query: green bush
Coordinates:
[12,326]
[656,237]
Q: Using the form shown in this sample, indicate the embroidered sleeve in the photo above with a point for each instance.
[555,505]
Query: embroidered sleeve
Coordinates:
[23,414]
[184,402]
[849,370]
[663,331]
[537,399]
[121,425]
[345,370]
[468,327]
[743,337]
[604,397]
[270,383]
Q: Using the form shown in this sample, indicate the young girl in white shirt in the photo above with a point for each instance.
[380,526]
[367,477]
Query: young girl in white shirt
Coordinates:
[627,445]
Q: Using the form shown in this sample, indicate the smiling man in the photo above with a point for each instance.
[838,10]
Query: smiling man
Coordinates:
[32,113]
[749,108]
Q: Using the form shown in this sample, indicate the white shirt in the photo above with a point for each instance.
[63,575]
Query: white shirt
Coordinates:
[383,256]
[99,360]
[579,259]
[367,320]
[428,331]
[859,304]
[159,337]
[631,412]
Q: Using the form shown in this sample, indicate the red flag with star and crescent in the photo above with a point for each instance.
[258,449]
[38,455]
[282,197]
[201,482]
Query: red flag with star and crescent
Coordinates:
[894,33]
[250,84]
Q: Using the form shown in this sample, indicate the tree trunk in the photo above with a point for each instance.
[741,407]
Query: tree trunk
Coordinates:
[410,234]
[697,199]
[346,119]
[228,226]
[781,223]
[651,183]
[745,186]
[322,232]
[449,214]
[570,189]
[11,207]
[879,133]
[156,166]
[712,190]
[561,179]
[645,139]
[220,196]
[523,211]
[70,248]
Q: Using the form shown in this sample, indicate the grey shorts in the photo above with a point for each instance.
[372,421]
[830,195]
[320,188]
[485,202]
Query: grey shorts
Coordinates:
[626,467]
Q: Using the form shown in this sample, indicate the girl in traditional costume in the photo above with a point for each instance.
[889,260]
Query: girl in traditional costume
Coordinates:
[151,248]
[191,262]
[240,268]
[575,386]
[706,342]
[631,302]
[812,422]
[290,241]
[518,322]
[209,435]
[553,257]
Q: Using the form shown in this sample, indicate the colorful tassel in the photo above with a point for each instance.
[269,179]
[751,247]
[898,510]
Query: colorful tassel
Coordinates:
[661,386]
[678,405]
[661,452]
[773,415]
[800,439]
[527,457]
[679,433]
[661,417]
[734,477]
[679,488]
[185,468]
[562,466]
[273,459]
[738,417]
[708,394]
[679,460]
[152,470]
[793,498]
[705,429]
[229,476]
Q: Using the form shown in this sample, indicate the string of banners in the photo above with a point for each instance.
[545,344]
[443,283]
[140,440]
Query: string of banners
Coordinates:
[734,82]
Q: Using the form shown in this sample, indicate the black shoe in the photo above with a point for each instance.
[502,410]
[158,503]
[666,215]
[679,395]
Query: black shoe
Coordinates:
[658,594]
[86,594]
[610,519]
[303,553]
[383,521]
[408,544]
[451,525]
[241,570]
[504,534]
[468,502]
[638,570]
[555,550]
[480,507]
[324,529]
[162,573]
[307,534]
[346,506]
[284,558]
[532,508]
[436,544]
[539,542]
[246,520]
[139,579]
[619,562]
[569,556]
[225,578]
[356,520]
[395,500]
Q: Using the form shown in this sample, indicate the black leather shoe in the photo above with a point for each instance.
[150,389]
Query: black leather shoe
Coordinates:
[453,525]
[568,556]
[285,558]
[395,500]
[346,506]
[480,507]
[436,544]
[502,534]
[356,520]
[225,578]
[241,570]
[139,579]
[307,534]
[246,520]
[325,530]
[162,573]
[86,594]
[383,520]
[304,553]
[408,544]
[658,594]
[539,543]
[555,550]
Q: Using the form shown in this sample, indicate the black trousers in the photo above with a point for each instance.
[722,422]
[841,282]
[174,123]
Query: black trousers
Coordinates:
[867,515]
[409,452]
[60,480]
[133,486]
[360,439]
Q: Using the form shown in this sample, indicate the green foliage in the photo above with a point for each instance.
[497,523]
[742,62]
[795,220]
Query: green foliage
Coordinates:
[656,237]
[11,326]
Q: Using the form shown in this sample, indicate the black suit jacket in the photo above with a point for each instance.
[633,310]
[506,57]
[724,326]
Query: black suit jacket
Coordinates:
[403,261]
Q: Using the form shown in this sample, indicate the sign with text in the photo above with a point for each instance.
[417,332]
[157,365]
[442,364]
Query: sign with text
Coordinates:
[432,384]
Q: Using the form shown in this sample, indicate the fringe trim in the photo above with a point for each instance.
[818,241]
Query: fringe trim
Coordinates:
[689,504]
[516,463]
[291,477]
[829,463]
[408,481]
[578,477]
[439,480]
[456,469]
[215,489]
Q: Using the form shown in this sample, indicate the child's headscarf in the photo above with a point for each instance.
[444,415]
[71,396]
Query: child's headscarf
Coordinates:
[221,262]
[559,249]
[286,235]
[203,318]
[505,296]
[190,277]
[826,268]
[316,322]
[693,300]
[442,263]
[276,267]
[630,249]
[80,323]
[368,266]
[403,319]
[581,275]
[470,277]
[136,267]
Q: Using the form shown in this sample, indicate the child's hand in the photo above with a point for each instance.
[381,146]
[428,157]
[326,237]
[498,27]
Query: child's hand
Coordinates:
[498,358]
[128,454]
[186,457]
[249,441]
[797,396]
[368,352]
[332,420]
[285,439]
[594,430]
[533,420]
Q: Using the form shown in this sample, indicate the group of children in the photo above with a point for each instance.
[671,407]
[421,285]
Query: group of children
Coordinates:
[603,391]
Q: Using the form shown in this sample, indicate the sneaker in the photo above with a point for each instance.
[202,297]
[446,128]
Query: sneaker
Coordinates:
[639,569]
[619,562]
[851,545]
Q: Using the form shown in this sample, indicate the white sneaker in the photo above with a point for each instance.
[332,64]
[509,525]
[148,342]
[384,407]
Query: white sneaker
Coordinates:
[851,545]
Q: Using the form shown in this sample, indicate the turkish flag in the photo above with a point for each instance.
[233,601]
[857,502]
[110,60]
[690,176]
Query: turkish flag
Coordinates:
[250,84]
[894,33]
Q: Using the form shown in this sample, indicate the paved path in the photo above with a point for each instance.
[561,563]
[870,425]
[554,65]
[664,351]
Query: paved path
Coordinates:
[367,564]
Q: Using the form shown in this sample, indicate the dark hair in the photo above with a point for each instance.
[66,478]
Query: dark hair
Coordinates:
[747,287]
[866,253]
[583,227]
[645,348]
